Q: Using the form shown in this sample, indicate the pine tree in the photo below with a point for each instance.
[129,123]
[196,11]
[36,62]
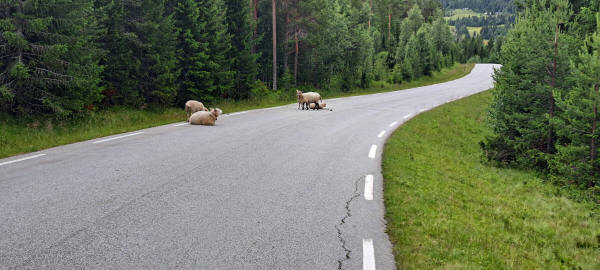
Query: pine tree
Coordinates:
[577,156]
[48,61]
[535,58]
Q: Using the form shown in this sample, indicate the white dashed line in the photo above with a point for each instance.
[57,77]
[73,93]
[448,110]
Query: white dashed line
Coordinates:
[119,137]
[182,124]
[368,255]
[369,187]
[408,115]
[394,123]
[21,159]
[381,134]
[373,151]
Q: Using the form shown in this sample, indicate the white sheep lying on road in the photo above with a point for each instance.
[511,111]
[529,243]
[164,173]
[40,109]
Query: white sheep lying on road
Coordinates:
[321,106]
[205,118]
[192,106]
[307,98]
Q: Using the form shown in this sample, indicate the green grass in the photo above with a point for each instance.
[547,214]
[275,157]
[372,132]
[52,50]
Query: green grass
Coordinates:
[446,209]
[461,13]
[474,30]
[19,136]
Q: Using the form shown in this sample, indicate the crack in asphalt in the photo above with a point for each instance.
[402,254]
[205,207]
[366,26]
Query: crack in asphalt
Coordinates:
[343,221]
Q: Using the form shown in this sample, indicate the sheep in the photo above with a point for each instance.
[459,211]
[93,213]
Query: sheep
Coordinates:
[192,106]
[321,106]
[207,118]
[307,98]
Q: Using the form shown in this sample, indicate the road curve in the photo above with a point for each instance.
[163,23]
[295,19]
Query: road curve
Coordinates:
[274,188]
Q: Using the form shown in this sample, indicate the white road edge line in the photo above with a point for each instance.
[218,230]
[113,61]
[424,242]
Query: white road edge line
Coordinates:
[381,134]
[373,151]
[368,255]
[369,187]
[237,113]
[178,125]
[394,123]
[21,159]
[422,110]
[118,137]
[408,115]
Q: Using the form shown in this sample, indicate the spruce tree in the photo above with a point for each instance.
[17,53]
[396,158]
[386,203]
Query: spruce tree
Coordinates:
[49,63]
[411,65]
[214,13]
[241,28]
[140,44]
[120,66]
[195,80]
[157,36]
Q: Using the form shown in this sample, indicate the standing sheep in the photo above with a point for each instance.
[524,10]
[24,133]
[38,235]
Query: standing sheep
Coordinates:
[192,106]
[307,98]
[207,118]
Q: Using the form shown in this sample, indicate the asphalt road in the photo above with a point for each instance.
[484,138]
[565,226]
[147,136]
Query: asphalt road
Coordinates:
[274,188]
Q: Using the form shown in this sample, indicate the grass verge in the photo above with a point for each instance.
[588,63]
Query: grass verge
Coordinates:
[448,210]
[19,136]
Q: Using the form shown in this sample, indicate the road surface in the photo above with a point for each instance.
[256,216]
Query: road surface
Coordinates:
[276,188]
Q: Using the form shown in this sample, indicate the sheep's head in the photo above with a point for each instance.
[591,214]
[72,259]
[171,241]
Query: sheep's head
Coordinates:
[322,105]
[216,112]
[298,94]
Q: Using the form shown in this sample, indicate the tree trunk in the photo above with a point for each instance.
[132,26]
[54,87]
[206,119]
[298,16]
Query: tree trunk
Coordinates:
[255,16]
[370,13]
[19,23]
[296,58]
[255,13]
[593,150]
[286,42]
[389,25]
[274,16]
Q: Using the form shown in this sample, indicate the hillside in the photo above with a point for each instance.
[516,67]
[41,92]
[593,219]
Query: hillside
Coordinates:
[482,6]
[493,18]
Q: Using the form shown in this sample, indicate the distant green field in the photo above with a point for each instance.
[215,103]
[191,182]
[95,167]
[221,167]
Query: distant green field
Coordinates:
[462,13]
[472,30]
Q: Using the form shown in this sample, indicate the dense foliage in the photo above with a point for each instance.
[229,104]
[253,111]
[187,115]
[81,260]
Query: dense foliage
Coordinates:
[545,112]
[66,57]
